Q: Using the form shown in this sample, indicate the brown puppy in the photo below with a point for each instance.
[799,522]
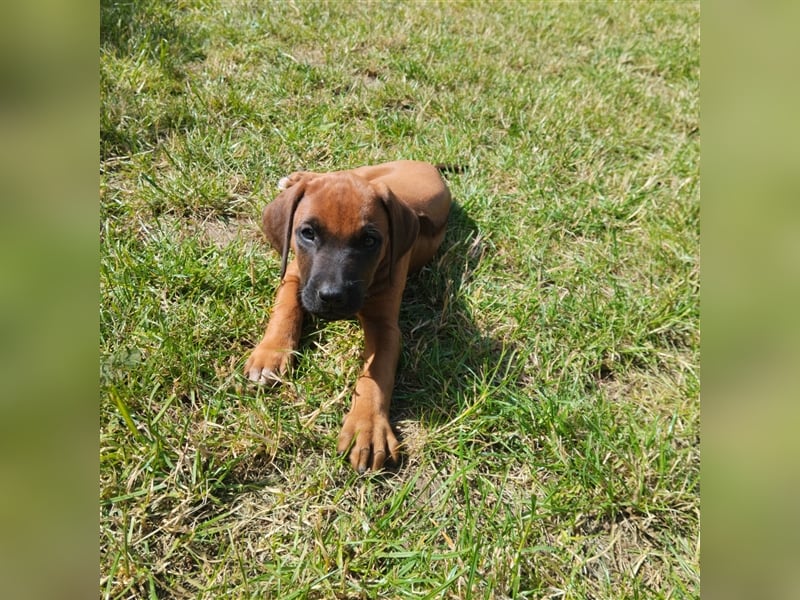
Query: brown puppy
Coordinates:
[355,236]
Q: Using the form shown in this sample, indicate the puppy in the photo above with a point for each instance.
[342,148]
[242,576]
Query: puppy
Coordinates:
[354,236]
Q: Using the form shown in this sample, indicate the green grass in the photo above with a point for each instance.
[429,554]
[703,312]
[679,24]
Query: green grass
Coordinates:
[548,391]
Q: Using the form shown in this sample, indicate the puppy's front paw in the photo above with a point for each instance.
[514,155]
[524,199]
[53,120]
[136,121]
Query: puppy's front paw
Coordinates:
[267,365]
[370,439]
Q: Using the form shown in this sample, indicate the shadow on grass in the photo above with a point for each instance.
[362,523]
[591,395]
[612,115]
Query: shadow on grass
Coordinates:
[447,360]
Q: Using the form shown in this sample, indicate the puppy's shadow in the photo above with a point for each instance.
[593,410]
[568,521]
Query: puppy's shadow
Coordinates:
[445,356]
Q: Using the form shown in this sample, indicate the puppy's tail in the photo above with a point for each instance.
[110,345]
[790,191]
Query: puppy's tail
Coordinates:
[445,168]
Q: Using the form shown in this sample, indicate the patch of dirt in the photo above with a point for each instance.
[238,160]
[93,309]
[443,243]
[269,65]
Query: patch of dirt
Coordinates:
[223,233]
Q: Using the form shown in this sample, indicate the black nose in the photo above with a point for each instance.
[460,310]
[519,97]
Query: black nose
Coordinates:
[331,295]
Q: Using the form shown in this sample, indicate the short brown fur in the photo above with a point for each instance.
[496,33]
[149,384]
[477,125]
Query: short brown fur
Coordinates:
[360,233]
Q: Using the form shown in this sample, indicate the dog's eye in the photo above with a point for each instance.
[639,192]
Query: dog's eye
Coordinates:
[308,234]
[369,241]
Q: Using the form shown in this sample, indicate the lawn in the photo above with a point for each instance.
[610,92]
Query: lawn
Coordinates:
[547,396]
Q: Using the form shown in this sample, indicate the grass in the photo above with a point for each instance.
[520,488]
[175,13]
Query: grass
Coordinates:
[548,391]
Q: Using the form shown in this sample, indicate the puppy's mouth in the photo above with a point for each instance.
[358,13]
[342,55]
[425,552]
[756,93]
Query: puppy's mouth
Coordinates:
[332,304]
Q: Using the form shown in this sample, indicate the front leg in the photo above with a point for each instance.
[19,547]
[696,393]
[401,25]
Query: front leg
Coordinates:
[366,431]
[272,356]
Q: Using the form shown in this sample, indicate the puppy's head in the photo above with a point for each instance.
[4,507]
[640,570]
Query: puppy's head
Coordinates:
[346,234]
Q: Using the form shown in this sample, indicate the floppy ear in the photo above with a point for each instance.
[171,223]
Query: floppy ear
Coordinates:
[277,218]
[403,224]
